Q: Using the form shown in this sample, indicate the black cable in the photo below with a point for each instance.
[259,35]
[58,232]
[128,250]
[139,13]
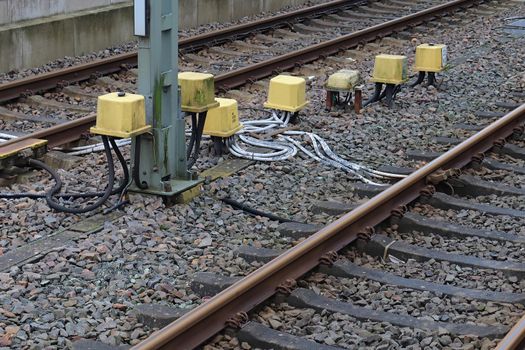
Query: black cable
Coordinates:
[123,163]
[136,166]
[37,164]
[193,136]
[58,185]
[252,211]
[200,129]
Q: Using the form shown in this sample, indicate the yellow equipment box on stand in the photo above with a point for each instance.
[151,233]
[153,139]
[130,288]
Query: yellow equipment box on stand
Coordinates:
[431,59]
[121,115]
[392,71]
[287,94]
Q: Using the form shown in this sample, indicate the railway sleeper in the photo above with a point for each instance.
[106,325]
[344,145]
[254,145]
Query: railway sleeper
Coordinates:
[305,298]
[40,101]
[346,269]
[489,115]
[381,246]
[309,29]
[261,336]
[296,230]
[14,115]
[423,224]
[508,149]
[469,185]
[87,344]
[308,299]
[408,222]
[489,163]
[444,201]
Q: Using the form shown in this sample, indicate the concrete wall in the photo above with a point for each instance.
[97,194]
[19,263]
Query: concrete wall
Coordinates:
[12,11]
[197,12]
[34,32]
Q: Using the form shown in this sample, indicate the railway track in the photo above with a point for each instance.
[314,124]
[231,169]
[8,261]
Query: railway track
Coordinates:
[249,65]
[376,226]
[339,280]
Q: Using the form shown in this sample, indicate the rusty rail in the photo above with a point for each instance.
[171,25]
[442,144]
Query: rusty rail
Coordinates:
[240,31]
[515,338]
[203,322]
[47,81]
[56,135]
[82,72]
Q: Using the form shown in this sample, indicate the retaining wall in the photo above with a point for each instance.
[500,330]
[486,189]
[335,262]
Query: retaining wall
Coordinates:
[34,32]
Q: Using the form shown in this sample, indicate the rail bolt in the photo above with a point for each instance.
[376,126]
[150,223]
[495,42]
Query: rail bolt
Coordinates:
[477,161]
[427,193]
[517,133]
[498,145]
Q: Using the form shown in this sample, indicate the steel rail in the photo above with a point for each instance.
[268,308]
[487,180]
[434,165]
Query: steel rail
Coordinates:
[56,135]
[206,320]
[515,338]
[47,81]
[82,72]
[240,31]
[225,81]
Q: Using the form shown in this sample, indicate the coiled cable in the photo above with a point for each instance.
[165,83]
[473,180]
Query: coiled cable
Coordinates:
[53,194]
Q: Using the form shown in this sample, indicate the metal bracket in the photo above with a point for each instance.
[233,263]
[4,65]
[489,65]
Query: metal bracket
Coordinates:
[442,175]
[366,234]
[286,287]
[329,258]
[397,214]
[498,145]
[237,321]
[427,193]
[477,160]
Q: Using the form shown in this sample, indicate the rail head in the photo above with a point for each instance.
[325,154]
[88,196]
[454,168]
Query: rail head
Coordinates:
[515,338]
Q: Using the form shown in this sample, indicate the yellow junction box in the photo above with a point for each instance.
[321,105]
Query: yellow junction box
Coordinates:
[390,69]
[430,58]
[343,80]
[197,92]
[121,115]
[287,93]
[223,121]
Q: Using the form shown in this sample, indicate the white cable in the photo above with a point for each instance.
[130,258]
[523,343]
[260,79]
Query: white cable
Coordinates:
[321,150]
[7,137]
[99,147]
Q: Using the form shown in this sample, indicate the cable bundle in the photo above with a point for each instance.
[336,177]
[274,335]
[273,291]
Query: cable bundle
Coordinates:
[285,147]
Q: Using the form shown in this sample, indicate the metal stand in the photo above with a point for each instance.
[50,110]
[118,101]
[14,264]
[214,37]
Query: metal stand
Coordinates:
[159,157]
[432,81]
[389,93]
[334,99]
[219,146]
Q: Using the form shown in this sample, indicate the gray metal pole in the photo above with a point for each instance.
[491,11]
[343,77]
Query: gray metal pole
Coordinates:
[163,152]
